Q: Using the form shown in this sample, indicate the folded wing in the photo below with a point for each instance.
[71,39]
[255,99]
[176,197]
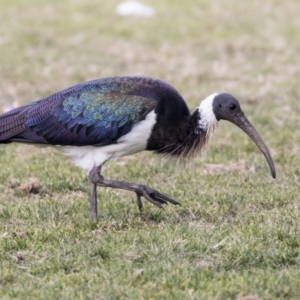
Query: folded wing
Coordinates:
[87,114]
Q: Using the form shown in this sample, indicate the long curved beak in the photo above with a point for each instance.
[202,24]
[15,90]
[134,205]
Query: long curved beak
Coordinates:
[241,121]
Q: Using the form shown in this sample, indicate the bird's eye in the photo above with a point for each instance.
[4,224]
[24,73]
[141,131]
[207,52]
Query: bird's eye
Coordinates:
[220,105]
[232,106]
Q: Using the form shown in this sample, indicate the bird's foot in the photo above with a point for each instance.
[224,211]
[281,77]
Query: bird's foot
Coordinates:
[141,190]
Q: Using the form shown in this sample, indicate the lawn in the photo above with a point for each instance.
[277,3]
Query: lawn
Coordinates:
[236,234]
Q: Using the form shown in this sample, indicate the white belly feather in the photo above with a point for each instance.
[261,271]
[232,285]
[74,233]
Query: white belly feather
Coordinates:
[135,141]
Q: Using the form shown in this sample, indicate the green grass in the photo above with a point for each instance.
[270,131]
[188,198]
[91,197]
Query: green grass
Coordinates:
[237,232]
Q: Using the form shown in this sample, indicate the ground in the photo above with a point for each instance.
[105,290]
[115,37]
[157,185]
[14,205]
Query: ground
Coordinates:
[236,234]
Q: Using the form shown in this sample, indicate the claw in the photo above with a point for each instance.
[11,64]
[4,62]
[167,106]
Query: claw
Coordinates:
[167,199]
[149,198]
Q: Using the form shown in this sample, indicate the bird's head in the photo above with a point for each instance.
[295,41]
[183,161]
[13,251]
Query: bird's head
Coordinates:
[224,106]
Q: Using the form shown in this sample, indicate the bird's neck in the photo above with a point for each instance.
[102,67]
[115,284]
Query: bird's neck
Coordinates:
[188,137]
[207,117]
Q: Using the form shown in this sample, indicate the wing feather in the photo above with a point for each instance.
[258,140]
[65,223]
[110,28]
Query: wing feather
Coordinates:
[87,114]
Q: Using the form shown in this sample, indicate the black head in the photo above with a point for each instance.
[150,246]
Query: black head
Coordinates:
[226,107]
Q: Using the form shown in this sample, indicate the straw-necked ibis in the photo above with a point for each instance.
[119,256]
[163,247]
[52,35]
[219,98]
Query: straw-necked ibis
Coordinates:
[113,117]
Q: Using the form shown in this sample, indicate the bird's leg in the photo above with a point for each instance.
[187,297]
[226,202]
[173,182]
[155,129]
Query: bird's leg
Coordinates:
[93,201]
[139,201]
[150,194]
[93,196]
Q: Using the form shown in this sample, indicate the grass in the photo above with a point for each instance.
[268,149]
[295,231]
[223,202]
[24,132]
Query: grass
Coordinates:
[237,232]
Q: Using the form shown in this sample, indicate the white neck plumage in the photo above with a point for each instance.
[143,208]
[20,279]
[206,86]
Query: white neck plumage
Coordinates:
[207,117]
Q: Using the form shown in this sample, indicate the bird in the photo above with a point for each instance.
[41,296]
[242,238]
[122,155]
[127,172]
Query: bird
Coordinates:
[108,118]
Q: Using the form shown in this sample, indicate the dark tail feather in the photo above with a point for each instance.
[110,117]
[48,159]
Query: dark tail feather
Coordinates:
[12,123]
